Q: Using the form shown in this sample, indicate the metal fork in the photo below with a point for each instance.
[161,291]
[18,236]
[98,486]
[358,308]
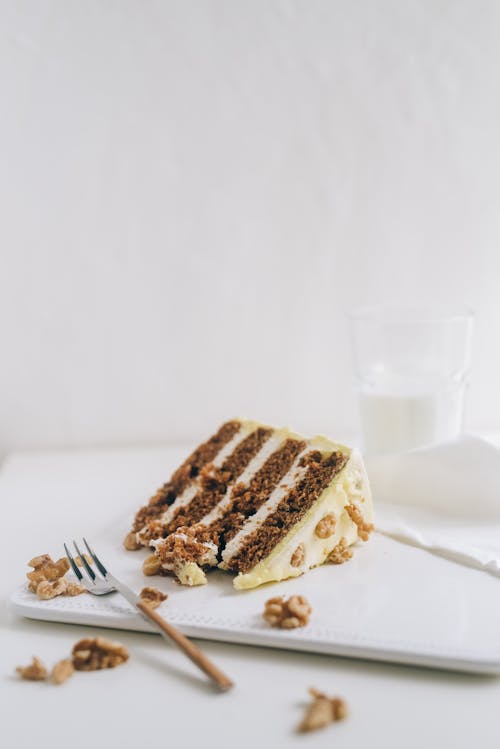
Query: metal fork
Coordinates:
[100,582]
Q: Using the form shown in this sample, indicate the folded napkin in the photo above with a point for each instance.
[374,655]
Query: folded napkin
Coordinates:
[444,498]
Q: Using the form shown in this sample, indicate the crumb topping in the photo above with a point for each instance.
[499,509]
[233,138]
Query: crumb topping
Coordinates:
[193,544]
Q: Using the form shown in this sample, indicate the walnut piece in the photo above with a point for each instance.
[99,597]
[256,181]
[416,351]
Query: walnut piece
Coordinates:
[47,579]
[151,565]
[340,554]
[36,671]
[298,556]
[364,528]
[92,654]
[130,542]
[87,558]
[322,711]
[46,589]
[326,526]
[45,569]
[287,613]
[62,671]
[74,589]
[152,596]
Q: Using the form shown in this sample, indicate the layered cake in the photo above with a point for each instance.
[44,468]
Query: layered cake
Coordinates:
[263,503]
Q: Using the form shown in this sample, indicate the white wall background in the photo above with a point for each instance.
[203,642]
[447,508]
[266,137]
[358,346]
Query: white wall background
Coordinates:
[193,194]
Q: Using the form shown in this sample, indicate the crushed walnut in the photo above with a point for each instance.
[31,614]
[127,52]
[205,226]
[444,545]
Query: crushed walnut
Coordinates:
[45,569]
[62,671]
[46,590]
[47,578]
[364,528]
[340,554]
[326,527]
[87,558]
[287,613]
[322,711]
[298,556]
[36,671]
[152,596]
[74,589]
[93,654]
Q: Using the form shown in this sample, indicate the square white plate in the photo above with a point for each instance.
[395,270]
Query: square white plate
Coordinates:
[391,602]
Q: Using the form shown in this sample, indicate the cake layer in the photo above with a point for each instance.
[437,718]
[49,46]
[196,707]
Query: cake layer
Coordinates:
[183,478]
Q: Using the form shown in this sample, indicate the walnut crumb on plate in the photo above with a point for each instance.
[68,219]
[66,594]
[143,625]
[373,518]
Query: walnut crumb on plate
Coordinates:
[93,654]
[36,670]
[62,671]
[152,596]
[287,613]
[322,711]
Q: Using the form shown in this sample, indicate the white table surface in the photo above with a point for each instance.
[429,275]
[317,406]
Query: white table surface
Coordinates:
[158,695]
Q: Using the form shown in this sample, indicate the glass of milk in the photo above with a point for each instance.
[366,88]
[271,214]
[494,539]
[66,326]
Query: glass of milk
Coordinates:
[412,369]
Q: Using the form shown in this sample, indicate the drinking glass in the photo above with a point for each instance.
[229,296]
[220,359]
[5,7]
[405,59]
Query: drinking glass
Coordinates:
[411,372]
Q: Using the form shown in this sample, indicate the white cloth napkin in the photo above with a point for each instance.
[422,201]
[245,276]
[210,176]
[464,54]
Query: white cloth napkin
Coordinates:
[444,498]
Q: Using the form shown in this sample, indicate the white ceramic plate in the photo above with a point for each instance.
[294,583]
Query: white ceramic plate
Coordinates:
[391,602]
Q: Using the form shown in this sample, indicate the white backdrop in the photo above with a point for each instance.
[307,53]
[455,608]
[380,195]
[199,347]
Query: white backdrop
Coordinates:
[193,194]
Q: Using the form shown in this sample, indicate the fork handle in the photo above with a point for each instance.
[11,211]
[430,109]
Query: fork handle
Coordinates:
[190,649]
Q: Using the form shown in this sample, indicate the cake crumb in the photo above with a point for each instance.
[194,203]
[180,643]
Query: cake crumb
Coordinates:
[36,671]
[322,711]
[287,613]
[93,654]
[152,596]
[62,671]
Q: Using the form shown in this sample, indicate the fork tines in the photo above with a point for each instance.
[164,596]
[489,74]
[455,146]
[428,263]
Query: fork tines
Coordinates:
[86,566]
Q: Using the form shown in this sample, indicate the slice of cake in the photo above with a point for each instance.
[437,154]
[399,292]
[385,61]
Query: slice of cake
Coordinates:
[264,503]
